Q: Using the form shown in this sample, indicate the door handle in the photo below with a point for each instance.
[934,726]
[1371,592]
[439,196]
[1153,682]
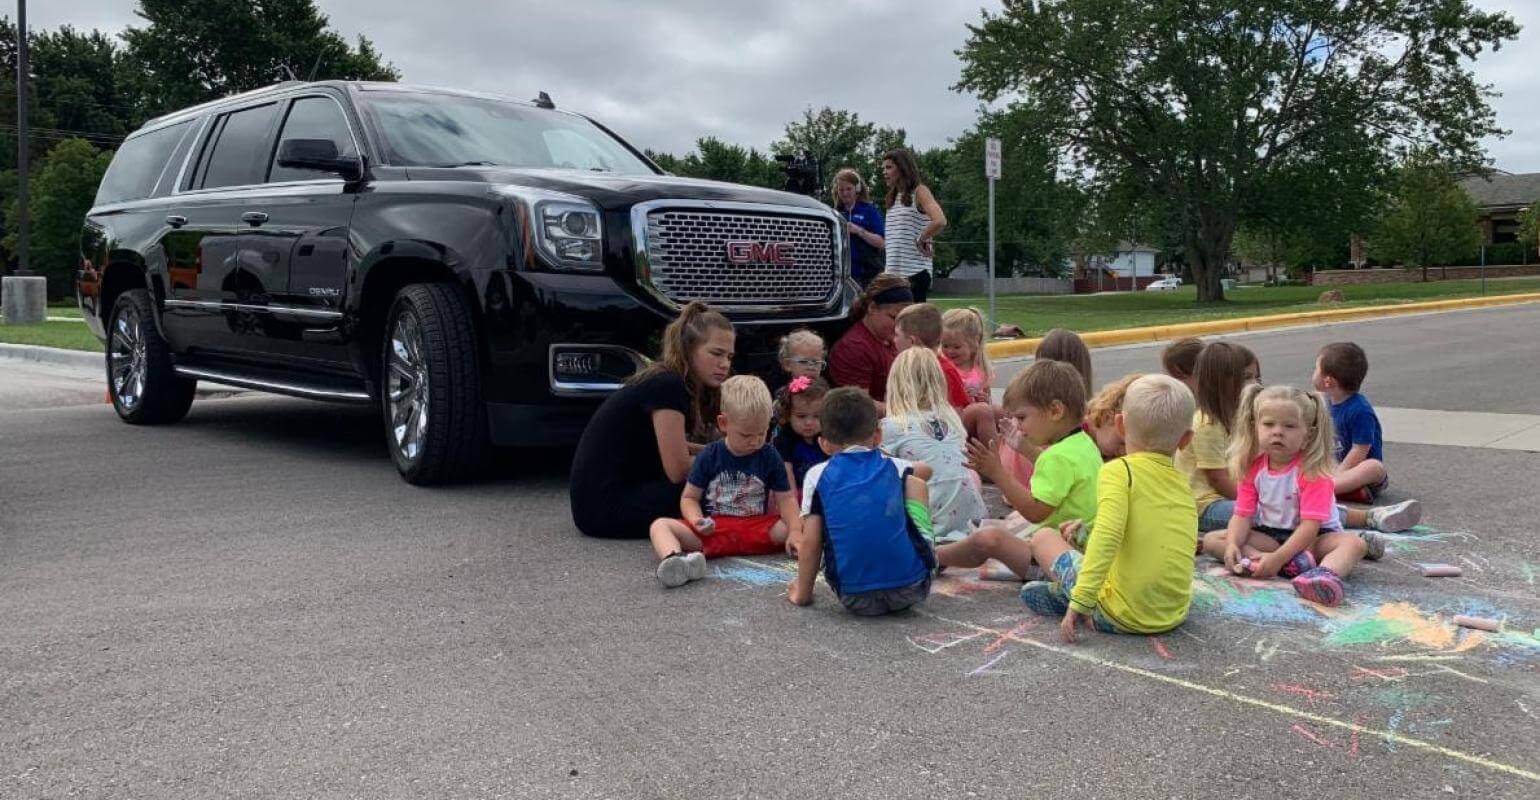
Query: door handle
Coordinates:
[254,218]
[176,220]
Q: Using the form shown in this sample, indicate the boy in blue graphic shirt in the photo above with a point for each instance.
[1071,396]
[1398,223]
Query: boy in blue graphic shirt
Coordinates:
[1361,476]
[865,516]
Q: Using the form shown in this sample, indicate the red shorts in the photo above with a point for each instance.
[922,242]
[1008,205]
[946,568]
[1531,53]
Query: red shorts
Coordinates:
[741,536]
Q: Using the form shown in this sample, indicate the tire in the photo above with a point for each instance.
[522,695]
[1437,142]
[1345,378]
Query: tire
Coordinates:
[141,381]
[430,386]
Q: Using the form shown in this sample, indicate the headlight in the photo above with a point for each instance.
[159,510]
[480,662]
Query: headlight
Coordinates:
[571,234]
[554,230]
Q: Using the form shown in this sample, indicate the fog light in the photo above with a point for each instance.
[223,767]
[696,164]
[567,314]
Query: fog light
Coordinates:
[576,365]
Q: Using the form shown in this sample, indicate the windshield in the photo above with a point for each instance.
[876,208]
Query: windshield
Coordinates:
[443,130]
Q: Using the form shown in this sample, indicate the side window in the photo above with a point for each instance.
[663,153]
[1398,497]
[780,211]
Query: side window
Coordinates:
[238,155]
[138,165]
[312,118]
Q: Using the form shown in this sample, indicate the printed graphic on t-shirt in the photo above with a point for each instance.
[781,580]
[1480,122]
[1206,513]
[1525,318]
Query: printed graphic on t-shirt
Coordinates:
[737,494]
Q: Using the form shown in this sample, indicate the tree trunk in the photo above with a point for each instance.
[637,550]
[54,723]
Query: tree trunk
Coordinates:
[1208,250]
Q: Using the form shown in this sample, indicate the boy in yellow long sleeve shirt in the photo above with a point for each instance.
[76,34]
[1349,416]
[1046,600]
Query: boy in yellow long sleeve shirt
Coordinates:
[1136,573]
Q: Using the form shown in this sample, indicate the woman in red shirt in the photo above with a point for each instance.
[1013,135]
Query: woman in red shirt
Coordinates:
[863,356]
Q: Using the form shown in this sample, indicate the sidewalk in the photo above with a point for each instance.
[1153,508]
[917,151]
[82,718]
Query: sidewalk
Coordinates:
[47,377]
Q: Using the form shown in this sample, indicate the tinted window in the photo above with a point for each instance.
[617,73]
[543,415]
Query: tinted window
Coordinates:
[238,156]
[138,165]
[312,118]
[450,130]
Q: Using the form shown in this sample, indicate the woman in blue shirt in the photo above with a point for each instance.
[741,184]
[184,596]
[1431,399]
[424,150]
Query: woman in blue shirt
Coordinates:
[863,221]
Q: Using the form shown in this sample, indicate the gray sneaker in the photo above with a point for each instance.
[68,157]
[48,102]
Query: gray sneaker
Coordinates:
[695,564]
[675,570]
[1376,544]
[1399,517]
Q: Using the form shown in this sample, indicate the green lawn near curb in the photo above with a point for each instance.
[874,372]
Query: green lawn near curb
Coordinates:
[68,335]
[1037,314]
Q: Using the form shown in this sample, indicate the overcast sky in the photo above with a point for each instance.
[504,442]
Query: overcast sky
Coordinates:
[665,72]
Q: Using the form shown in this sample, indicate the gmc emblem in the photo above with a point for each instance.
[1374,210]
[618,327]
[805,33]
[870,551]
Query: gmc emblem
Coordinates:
[779,253]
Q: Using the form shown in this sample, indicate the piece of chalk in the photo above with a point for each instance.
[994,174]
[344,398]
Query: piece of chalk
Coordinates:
[1479,623]
[1441,571]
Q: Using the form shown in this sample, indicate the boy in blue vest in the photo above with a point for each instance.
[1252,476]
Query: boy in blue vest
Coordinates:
[865,516]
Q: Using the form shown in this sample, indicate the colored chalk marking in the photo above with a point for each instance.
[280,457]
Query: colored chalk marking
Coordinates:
[1278,708]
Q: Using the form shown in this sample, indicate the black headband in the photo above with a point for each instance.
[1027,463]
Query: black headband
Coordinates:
[896,294]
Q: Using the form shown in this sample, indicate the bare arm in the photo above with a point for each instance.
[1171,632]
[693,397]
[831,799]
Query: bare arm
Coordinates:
[809,559]
[673,448]
[874,240]
[985,460]
[927,203]
[689,505]
[786,504]
[1221,482]
[1354,457]
[921,470]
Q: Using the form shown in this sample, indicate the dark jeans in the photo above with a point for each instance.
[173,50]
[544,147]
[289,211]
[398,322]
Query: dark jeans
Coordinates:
[886,601]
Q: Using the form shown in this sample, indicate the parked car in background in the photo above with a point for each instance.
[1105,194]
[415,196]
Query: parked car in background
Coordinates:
[479,269]
[1169,283]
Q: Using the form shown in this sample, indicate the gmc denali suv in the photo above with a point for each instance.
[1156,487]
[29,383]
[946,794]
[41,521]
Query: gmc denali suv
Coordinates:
[482,270]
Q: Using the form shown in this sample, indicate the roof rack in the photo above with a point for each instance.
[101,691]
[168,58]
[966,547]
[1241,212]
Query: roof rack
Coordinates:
[239,96]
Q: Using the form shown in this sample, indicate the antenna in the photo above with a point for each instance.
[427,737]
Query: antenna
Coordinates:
[315,66]
[543,100]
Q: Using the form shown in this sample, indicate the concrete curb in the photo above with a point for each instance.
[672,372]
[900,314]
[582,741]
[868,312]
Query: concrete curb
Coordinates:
[1157,333]
[58,356]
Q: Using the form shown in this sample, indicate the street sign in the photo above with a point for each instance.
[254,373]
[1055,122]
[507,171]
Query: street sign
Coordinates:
[992,159]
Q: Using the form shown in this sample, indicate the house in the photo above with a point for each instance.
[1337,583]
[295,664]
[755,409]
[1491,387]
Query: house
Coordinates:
[1131,266]
[1500,197]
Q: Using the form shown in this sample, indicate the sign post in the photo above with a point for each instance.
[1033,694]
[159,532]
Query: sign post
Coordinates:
[992,172]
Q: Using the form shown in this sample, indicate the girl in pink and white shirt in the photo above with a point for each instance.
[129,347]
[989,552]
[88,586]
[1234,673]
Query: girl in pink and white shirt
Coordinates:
[1286,520]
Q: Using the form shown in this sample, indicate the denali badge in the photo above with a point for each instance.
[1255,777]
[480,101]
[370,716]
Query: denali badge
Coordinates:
[781,253]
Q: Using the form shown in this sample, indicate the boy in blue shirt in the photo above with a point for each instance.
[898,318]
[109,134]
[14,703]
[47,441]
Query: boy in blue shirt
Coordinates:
[865,516]
[1361,476]
[737,501]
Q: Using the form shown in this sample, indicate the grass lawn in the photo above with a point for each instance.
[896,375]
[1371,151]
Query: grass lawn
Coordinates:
[68,335]
[64,310]
[1037,314]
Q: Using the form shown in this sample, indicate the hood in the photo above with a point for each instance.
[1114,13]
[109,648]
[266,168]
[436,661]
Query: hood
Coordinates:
[613,192]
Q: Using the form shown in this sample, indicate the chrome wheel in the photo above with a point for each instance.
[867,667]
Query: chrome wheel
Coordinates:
[407,386]
[126,359]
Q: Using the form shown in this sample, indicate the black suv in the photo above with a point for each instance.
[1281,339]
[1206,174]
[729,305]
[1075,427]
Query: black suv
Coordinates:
[484,270]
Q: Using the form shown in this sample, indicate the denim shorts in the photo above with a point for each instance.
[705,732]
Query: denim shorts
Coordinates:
[886,601]
[1216,515]
[1051,598]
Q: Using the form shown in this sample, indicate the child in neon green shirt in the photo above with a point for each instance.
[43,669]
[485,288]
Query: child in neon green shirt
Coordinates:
[1136,573]
[1048,400]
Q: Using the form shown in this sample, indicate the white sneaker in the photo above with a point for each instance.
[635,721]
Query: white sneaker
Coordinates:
[1374,543]
[695,564]
[674,571]
[1399,517]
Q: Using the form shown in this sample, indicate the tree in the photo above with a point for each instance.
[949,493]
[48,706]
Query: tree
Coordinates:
[62,189]
[1204,101]
[835,138]
[197,50]
[716,160]
[1529,225]
[1430,220]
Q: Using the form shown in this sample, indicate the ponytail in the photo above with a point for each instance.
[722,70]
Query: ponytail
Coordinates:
[882,284]
[681,338]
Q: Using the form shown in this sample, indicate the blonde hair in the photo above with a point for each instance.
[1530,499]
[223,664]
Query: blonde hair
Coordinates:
[1157,411]
[916,386]
[746,398]
[970,323]
[1109,401]
[790,341]
[1315,457]
[850,176]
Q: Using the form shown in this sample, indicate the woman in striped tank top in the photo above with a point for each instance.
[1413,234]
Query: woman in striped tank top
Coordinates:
[914,219]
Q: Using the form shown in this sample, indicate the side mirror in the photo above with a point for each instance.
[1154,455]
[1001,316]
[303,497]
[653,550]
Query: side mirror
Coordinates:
[320,155]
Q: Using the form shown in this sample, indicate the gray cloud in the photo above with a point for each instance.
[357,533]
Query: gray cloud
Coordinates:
[666,73]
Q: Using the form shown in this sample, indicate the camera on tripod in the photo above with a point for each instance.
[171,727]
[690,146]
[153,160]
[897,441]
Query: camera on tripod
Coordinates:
[802,173]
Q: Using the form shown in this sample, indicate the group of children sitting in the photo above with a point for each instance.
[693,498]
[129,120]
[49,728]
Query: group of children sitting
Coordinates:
[1114,495]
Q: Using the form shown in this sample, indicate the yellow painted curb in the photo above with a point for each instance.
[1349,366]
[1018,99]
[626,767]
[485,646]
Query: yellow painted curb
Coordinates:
[1158,333]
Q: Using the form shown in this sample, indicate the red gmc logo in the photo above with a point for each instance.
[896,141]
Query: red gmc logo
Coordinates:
[780,253]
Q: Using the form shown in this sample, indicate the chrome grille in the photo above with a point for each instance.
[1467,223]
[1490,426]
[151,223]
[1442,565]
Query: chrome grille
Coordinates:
[687,258]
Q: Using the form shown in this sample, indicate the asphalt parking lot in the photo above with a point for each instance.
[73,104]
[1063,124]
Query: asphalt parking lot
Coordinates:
[252,604]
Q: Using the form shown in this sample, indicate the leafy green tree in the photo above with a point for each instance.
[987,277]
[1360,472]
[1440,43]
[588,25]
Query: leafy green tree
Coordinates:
[62,190]
[716,160]
[1529,226]
[1202,102]
[836,138]
[191,51]
[1430,219]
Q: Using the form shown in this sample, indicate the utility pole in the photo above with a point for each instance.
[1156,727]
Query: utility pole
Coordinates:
[992,172]
[22,221]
